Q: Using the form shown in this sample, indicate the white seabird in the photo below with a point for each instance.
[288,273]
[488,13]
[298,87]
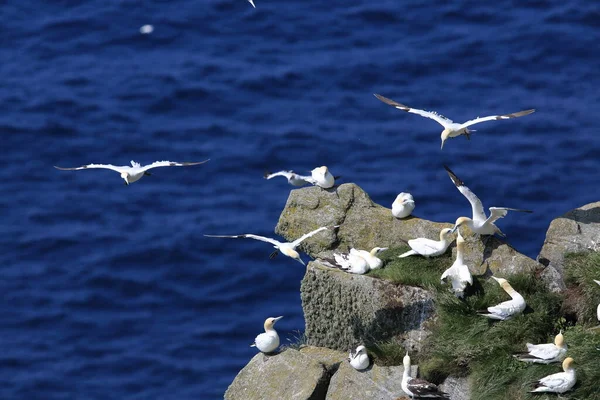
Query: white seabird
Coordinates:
[419,388]
[452,129]
[322,177]
[459,273]
[136,171]
[288,249]
[545,353]
[598,309]
[428,247]
[479,224]
[403,206]
[268,342]
[507,309]
[292,178]
[371,256]
[357,261]
[360,359]
[559,382]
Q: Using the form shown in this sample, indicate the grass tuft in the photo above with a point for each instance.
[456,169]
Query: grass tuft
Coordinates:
[580,271]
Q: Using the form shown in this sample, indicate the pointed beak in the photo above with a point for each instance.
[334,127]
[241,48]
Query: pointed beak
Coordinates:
[442,146]
[301,262]
[383,249]
[496,279]
[598,282]
[454,229]
[277,319]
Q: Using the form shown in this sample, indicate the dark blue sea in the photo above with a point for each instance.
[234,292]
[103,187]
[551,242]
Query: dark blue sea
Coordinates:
[112,291]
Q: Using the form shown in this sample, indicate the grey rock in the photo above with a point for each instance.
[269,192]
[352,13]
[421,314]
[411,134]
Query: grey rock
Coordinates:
[364,225]
[287,375]
[374,383]
[343,310]
[576,231]
[457,388]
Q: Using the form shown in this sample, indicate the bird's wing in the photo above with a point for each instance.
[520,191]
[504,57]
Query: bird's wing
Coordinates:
[286,174]
[104,166]
[306,236]
[476,206]
[249,236]
[424,246]
[500,212]
[495,117]
[157,164]
[440,119]
[422,388]
[464,275]
[546,351]
[554,380]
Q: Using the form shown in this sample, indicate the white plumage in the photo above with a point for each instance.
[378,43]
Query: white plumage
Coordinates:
[428,247]
[403,206]
[360,359]
[598,309]
[293,178]
[559,382]
[545,353]
[357,261]
[507,309]
[419,388]
[268,342]
[459,274]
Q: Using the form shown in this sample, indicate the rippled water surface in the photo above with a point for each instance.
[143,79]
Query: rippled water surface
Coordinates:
[111,291]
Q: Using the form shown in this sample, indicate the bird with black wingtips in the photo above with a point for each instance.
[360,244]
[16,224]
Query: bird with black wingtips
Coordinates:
[419,388]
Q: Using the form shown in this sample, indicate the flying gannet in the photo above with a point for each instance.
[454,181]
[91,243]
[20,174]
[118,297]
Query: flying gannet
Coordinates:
[428,247]
[507,309]
[288,249]
[545,353]
[268,342]
[136,171]
[479,224]
[419,388]
[403,206]
[459,273]
[451,129]
[559,382]
[360,359]
[598,309]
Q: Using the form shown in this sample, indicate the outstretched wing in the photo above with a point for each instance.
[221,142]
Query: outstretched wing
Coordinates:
[90,166]
[500,212]
[476,206]
[440,119]
[286,174]
[496,117]
[249,236]
[157,164]
[306,236]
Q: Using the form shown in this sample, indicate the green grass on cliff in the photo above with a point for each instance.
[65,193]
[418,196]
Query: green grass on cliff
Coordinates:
[413,270]
[581,269]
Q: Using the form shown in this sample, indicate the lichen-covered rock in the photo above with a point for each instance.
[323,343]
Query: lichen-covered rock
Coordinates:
[576,231]
[364,225]
[343,310]
[288,375]
[457,388]
[374,383]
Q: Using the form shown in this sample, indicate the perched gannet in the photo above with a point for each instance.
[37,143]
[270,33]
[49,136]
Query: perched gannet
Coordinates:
[292,178]
[136,171]
[558,383]
[252,2]
[322,177]
[545,353]
[479,224]
[360,359]
[357,261]
[288,249]
[507,309]
[451,129]
[269,341]
[598,309]
[403,206]
[459,273]
[419,388]
[373,261]
[430,248]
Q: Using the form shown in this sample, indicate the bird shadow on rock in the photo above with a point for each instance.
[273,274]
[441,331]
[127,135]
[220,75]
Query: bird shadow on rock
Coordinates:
[591,216]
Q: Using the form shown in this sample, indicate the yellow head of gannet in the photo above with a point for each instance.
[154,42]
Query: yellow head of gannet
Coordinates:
[462,221]
[559,340]
[125,176]
[567,364]
[445,135]
[292,254]
[445,233]
[269,322]
[377,250]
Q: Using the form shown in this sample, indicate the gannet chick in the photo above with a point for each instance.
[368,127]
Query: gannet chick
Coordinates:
[560,382]
[459,273]
[430,248]
[360,359]
[136,171]
[268,342]
[545,353]
[288,249]
[371,256]
[252,2]
[322,177]
[292,178]
[479,224]
[419,388]
[403,206]
[509,308]
[452,129]
[598,309]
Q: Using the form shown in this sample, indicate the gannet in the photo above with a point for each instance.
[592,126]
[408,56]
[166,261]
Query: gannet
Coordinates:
[268,342]
[598,309]
[136,171]
[430,248]
[459,273]
[292,178]
[371,256]
[322,177]
[288,249]
[507,309]
[419,388]
[545,353]
[357,261]
[360,359]
[403,206]
[452,129]
[252,2]
[560,382]
[479,224]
